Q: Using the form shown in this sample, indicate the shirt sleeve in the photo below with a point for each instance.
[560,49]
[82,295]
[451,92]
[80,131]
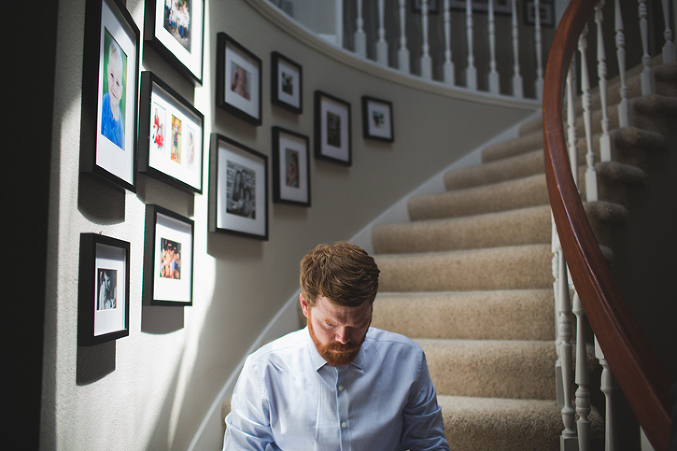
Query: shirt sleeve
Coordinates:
[248,423]
[423,424]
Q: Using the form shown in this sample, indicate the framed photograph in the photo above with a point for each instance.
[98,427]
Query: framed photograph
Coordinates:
[168,258]
[332,129]
[239,189]
[175,29]
[103,289]
[238,80]
[500,6]
[432,6]
[291,168]
[377,119]
[286,83]
[547,10]
[170,135]
[109,93]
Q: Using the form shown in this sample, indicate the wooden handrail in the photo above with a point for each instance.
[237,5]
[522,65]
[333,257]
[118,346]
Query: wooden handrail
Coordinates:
[633,362]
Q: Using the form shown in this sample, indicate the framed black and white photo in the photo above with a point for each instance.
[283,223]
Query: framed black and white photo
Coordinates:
[103,289]
[109,93]
[547,10]
[175,29]
[377,119]
[332,129]
[286,83]
[170,135]
[500,6]
[238,81]
[168,258]
[238,189]
[291,167]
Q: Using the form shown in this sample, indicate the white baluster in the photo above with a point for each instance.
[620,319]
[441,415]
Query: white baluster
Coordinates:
[470,71]
[647,76]
[604,140]
[381,45]
[590,173]
[426,60]
[449,76]
[403,52]
[624,110]
[516,77]
[609,388]
[493,74]
[669,46]
[539,49]
[582,377]
[569,438]
[360,35]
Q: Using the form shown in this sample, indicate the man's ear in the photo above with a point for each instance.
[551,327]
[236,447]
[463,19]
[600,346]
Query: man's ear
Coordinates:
[304,305]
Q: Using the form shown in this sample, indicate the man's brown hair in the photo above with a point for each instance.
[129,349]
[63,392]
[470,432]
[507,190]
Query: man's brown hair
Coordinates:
[342,272]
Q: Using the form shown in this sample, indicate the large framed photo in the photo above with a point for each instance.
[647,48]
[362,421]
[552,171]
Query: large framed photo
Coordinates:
[109,93]
[238,80]
[291,167]
[103,290]
[332,129]
[239,189]
[175,29]
[168,261]
[377,119]
[170,135]
[286,83]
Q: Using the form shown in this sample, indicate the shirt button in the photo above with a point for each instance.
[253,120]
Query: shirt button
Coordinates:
[344,425]
[341,388]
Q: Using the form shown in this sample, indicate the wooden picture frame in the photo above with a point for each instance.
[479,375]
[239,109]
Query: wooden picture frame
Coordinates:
[291,167]
[333,136]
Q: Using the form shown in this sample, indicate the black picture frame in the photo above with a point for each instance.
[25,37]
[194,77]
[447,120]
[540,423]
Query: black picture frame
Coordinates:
[238,198]
[168,258]
[377,119]
[503,7]
[165,31]
[547,13]
[171,134]
[110,80]
[332,127]
[238,80]
[291,167]
[286,85]
[103,289]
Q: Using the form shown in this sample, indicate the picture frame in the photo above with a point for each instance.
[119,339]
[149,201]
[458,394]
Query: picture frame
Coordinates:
[168,258]
[547,9]
[286,83]
[103,289]
[171,134]
[482,6]
[238,80]
[377,119]
[291,167]
[238,189]
[176,32]
[333,135]
[110,79]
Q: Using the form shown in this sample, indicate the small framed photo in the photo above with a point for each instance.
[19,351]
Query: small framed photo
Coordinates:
[377,119]
[238,80]
[286,83]
[291,168]
[168,258]
[103,290]
[432,6]
[170,135]
[332,129]
[239,189]
[109,93]
[547,13]
[175,29]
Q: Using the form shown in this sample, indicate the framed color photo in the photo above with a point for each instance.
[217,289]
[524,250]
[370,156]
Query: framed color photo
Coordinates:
[238,80]
[175,29]
[332,129]
[103,291]
[239,189]
[109,93]
[286,83]
[291,168]
[168,261]
[170,135]
[377,119]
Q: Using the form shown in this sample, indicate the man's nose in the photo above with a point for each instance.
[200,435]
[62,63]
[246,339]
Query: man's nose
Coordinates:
[343,335]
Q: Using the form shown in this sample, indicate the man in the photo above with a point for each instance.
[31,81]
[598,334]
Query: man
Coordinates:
[336,384]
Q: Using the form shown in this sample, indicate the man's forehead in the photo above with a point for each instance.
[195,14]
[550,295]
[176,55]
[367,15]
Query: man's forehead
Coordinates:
[329,309]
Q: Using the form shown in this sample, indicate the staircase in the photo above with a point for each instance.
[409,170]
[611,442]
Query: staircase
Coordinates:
[470,277]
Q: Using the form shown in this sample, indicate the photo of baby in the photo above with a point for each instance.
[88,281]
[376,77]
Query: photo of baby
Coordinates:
[157,128]
[112,101]
[240,81]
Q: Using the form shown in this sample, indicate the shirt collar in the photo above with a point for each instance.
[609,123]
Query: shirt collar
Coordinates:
[319,362]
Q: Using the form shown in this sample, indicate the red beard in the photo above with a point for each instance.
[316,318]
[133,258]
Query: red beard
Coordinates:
[335,354]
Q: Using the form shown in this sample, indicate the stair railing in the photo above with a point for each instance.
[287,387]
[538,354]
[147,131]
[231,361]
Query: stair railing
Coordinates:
[623,351]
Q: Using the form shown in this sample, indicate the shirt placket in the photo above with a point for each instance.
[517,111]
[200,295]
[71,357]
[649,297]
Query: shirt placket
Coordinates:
[343,404]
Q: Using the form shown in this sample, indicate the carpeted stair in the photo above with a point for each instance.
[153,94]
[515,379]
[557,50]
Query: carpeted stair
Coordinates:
[470,277]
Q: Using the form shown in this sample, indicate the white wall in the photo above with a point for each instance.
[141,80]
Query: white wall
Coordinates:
[152,389]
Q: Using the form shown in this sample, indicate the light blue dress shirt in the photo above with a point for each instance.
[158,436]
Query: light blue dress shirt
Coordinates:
[288,398]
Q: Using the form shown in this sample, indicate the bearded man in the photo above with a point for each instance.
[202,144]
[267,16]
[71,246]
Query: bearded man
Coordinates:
[336,384]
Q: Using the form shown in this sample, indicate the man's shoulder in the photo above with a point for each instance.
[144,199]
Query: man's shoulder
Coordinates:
[386,337]
[286,344]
